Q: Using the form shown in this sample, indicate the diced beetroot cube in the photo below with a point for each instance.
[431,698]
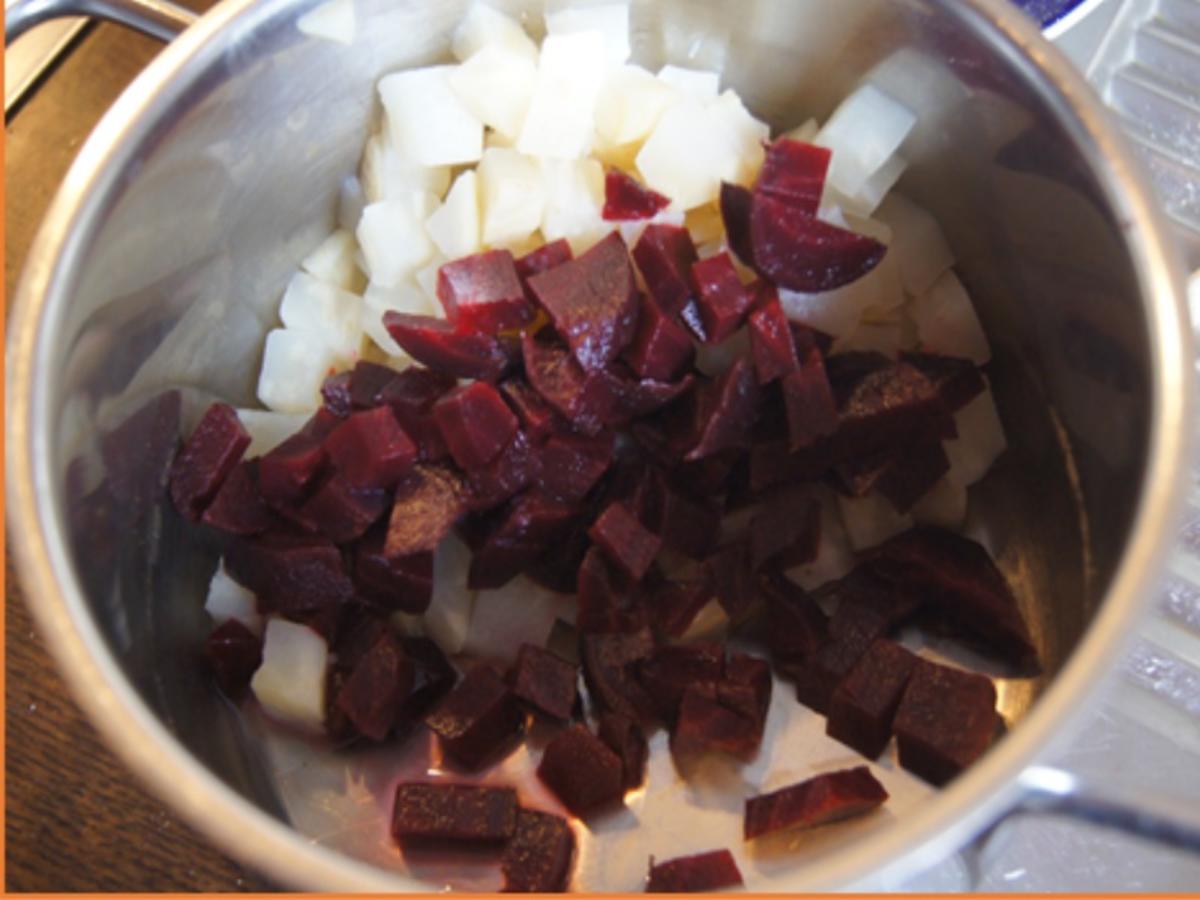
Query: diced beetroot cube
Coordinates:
[672,669]
[433,677]
[664,254]
[627,200]
[946,720]
[863,705]
[604,602]
[335,392]
[771,341]
[661,347]
[537,859]
[625,738]
[286,471]
[538,420]
[626,541]
[705,724]
[721,297]
[584,399]
[610,663]
[367,382]
[557,569]
[736,204]
[444,348]
[796,628]
[238,507]
[516,468]
[428,501]
[882,403]
[370,449]
[582,771]
[674,605]
[290,575]
[548,256]
[809,402]
[745,671]
[903,476]
[728,407]
[827,798]
[401,584]
[729,572]
[522,534]
[546,682]
[573,464]
[234,652]
[694,874]
[958,381]
[795,172]
[206,460]
[785,532]
[801,253]
[343,511]
[687,525]
[774,462]
[372,692]
[641,398]
[961,581]
[461,813]
[411,395]
[475,422]
[138,453]
[477,718]
[483,293]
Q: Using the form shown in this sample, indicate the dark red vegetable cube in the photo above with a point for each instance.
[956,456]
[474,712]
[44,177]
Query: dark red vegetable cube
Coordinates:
[397,583]
[958,381]
[475,422]
[809,403]
[573,464]
[795,627]
[903,475]
[771,342]
[639,398]
[428,501]
[517,467]
[477,718]
[524,530]
[582,771]
[584,399]
[433,677]
[674,604]
[548,256]
[138,453]
[664,254]
[795,171]
[366,383]
[745,671]
[661,347]
[863,705]
[206,459]
[370,449]
[592,302]
[882,403]
[728,407]
[946,720]
[238,507]
[610,667]
[285,472]
[537,859]
[736,204]
[732,578]
[234,653]
[335,394]
[454,812]
[626,200]
[343,511]
[785,532]
[438,344]
[826,798]
[694,874]
[372,692]
[688,525]
[290,575]
[705,724]
[625,540]
[722,299]
[606,604]
[546,682]
[538,420]
[625,738]
[483,293]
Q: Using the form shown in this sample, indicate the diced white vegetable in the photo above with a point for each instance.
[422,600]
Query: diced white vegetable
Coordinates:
[871,520]
[875,188]
[705,225]
[449,612]
[699,84]
[290,683]
[631,232]
[571,72]
[393,240]
[327,312]
[835,557]
[863,133]
[979,443]
[574,192]
[333,21]
[838,312]
[876,337]
[521,612]
[610,19]
[745,132]
[947,323]
[919,245]
[454,227]
[805,133]
[268,429]
[295,365]
[426,278]
[229,600]
[710,623]
[512,196]
[386,175]
[333,260]
[496,85]
[405,298]
[484,26]
[929,88]
[945,505]
[630,105]
[690,152]
[427,121]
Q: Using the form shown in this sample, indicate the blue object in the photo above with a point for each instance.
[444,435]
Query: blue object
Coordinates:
[1048,11]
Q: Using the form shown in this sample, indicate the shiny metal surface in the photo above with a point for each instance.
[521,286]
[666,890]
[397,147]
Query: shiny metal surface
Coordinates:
[158,18]
[161,263]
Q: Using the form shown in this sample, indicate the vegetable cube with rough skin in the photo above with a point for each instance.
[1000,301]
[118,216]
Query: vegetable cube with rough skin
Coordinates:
[694,874]
[460,813]
[477,718]
[827,798]
[537,858]
[582,771]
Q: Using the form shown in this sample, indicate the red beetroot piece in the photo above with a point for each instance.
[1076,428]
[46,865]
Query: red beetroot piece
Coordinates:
[674,605]
[546,682]
[697,874]
[516,468]
[537,859]
[785,532]
[730,574]
[625,737]
[444,348]
[705,724]
[370,449]
[398,584]
[433,677]
[628,544]
[636,399]
[882,403]
[291,575]
[548,256]
[827,798]
[483,293]
[592,302]
[286,472]
[138,453]
[809,402]
[522,534]
[957,381]
[335,394]
[795,172]
[687,525]
[477,718]
[573,464]
[606,603]
[428,501]
[343,511]
[411,395]
[206,459]
[610,665]
[863,705]
[234,653]
[661,347]
[372,692]
[773,462]
[736,203]
[538,420]
[627,200]
[903,475]
[722,299]
[946,720]
[664,254]
[745,671]
[771,342]
[672,669]
[728,407]
[584,399]
[795,626]
[238,507]
[475,422]
[581,771]
[366,382]
[799,252]
[461,813]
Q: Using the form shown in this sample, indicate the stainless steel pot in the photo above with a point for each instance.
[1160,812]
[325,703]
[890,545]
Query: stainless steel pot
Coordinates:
[163,256]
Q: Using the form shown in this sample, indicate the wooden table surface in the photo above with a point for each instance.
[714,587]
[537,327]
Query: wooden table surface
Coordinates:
[76,818]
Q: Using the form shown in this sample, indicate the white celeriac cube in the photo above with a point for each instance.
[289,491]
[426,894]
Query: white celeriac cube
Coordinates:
[427,122]
[699,84]
[947,323]
[610,19]
[328,312]
[484,26]
[863,134]
[268,429]
[229,600]
[979,443]
[871,520]
[746,134]
[876,188]
[520,612]
[449,613]
[404,298]
[426,278]
[334,21]
[919,244]
[574,190]
[454,228]
[496,85]
[386,175]
[393,239]
[571,72]
[630,104]
[512,196]
[290,683]
[945,505]
[333,260]
[873,337]
[295,365]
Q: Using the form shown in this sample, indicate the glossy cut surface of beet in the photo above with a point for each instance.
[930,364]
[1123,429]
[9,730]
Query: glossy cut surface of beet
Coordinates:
[538,420]
[673,668]
[796,628]
[771,343]
[475,423]
[625,199]
[516,467]
[626,541]
[721,297]
[809,402]
[370,449]
[206,459]
[703,872]
[582,771]
[736,203]
[661,347]
[537,859]
[459,813]
[484,293]
[864,703]
[343,511]
[625,737]
[523,530]
[583,398]
[546,682]
[795,171]
[366,382]
[727,410]
[705,724]
[882,403]
[397,583]
[234,654]
[958,381]
[573,464]
[478,718]
[444,348]
[826,798]
[238,506]
[290,575]
[664,255]
[548,256]
[285,472]
[335,394]
[428,501]
[371,694]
